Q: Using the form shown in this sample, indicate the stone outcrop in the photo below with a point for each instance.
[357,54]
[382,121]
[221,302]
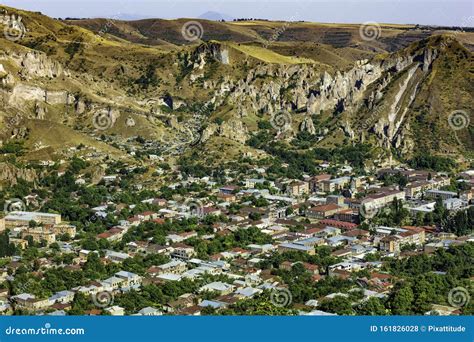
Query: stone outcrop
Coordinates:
[40,111]
[299,88]
[11,174]
[264,89]
[209,51]
[79,105]
[37,64]
[307,125]
[233,129]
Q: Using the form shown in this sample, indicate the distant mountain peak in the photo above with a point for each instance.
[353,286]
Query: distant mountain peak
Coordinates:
[216,16]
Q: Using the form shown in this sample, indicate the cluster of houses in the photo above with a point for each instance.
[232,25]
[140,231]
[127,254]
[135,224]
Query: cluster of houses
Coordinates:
[46,228]
[298,215]
[101,291]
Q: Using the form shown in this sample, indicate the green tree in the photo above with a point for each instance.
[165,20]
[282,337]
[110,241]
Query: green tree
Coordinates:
[339,305]
[372,307]
[401,301]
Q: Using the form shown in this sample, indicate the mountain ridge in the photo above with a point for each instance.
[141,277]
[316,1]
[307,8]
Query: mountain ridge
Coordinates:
[193,97]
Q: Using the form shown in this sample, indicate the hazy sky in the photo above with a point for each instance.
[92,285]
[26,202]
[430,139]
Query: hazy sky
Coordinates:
[441,12]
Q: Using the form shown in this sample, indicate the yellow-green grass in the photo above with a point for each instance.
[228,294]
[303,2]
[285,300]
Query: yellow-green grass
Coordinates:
[58,137]
[269,56]
[218,149]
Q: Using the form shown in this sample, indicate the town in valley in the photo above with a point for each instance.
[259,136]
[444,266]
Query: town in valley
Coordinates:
[235,167]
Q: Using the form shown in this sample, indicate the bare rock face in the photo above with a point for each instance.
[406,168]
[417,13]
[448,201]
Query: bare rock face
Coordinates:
[79,106]
[220,53]
[392,127]
[40,111]
[11,174]
[204,52]
[22,92]
[429,56]
[311,106]
[348,130]
[56,97]
[37,64]
[307,126]
[208,132]
[130,122]
[233,129]
[300,87]
[200,62]
[6,79]
[173,122]
[70,99]
[97,173]
[20,133]
[3,72]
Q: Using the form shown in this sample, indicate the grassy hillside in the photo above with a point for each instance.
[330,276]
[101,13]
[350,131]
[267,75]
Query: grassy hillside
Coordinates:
[163,89]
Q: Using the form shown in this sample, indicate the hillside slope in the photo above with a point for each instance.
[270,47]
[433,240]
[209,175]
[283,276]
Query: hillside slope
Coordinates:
[104,89]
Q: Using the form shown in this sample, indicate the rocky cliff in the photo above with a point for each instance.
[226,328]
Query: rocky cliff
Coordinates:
[195,94]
